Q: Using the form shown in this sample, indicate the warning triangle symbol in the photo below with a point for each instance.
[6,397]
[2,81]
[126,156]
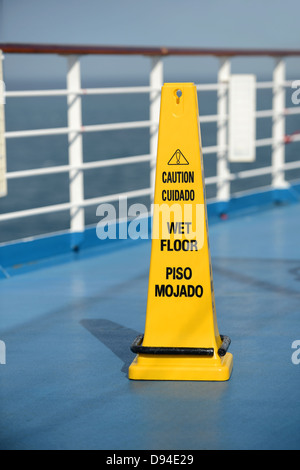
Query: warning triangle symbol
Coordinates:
[178,159]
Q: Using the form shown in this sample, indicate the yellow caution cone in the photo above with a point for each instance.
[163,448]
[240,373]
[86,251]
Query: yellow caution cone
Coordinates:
[181,340]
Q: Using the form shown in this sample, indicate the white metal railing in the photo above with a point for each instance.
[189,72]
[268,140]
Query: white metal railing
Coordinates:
[76,166]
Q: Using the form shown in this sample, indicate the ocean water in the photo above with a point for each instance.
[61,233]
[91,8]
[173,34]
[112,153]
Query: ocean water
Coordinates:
[40,152]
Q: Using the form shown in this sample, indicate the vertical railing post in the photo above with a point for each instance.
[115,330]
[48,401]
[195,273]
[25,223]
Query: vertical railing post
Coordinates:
[278,147]
[156,81]
[76,180]
[223,171]
[3,182]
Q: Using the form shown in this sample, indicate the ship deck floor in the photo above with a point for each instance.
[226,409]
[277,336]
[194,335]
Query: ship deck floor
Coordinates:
[68,327]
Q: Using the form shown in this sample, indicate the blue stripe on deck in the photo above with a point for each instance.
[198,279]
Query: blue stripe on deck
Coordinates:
[68,329]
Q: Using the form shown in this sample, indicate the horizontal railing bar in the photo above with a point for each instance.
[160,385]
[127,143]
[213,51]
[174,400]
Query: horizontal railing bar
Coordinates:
[115,197]
[259,114]
[17,48]
[294,110]
[116,162]
[12,175]
[289,83]
[292,138]
[265,113]
[251,173]
[68,205]
[38,133]
[262,171]
[264,142]
[213,149]
[66,130]
[35,93]
[141,124]
[211,118]
[259,85]
[118,90]
[270,113]
[101,91]
[264,85]
[292,166]
[258,143]
[83,91]
[118,126]
[212,86]
[122,90]
[130,125]
[86,166]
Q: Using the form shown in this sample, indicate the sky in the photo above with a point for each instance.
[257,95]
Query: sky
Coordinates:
[188,23]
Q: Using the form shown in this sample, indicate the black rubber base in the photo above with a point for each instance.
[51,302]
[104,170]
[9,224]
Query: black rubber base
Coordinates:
[138,348]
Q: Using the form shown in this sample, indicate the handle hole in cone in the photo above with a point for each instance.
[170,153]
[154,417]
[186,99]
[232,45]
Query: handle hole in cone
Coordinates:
[178,94]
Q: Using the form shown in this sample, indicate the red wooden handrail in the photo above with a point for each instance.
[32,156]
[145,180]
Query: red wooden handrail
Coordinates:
[11,48]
